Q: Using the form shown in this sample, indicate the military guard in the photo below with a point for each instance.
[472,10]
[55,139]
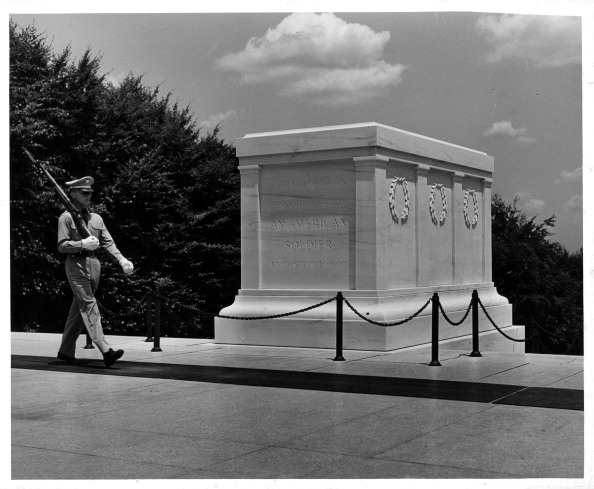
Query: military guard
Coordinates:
[83,270]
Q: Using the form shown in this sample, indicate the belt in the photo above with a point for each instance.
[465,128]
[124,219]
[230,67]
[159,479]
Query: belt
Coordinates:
[86,253]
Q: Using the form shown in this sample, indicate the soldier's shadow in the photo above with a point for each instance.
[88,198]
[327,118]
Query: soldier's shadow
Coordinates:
[82,363]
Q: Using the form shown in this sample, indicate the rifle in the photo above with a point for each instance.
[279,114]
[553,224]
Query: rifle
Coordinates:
[74,212]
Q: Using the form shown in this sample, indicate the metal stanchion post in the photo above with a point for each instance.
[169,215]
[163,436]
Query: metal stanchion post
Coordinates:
[339,302]
[89,345]
[475,325]
[435,332]
[149,320]
[157,346]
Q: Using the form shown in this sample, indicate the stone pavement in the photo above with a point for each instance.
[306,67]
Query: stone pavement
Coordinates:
[198,410]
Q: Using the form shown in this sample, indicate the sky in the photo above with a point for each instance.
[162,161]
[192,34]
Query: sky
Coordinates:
[508,85]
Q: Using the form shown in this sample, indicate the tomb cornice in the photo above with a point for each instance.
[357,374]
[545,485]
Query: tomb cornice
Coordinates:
[368,136]
[371,161]
[458,177]
[247,169]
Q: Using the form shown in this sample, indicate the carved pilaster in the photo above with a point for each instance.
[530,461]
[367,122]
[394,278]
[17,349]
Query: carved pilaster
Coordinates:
[250,227]
[487,237]
[457,227]
[370,218]
[421,222]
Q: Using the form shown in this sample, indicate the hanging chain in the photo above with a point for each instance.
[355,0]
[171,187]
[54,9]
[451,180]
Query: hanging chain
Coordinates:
[448,319]
[499,329]
[275,316]
[397,323]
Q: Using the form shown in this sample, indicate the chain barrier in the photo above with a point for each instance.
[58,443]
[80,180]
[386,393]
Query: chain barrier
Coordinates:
[275,316]
[579,332]
[548,333]
[537,329]
[499,329]
[165,303]
[547,350]
[445,316]
[119,316]
[112,315]
[397,323]
[150,295]
[539,344]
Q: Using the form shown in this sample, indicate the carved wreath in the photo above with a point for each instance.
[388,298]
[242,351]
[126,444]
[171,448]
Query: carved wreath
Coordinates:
[470,223]
[404,216]
[444,204]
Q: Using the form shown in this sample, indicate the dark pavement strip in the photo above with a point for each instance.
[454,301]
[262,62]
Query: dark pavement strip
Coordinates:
[548,397]
[517,395]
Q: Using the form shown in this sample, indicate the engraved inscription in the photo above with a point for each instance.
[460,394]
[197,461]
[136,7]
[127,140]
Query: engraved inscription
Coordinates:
[309,245]
[293,204]
[317,264]
[309,223]
[307,213]
[307,183]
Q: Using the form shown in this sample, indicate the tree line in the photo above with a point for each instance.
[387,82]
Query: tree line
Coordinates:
[169,194]
[541,279]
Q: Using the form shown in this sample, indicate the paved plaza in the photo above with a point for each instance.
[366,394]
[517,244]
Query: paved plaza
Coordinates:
[200,410]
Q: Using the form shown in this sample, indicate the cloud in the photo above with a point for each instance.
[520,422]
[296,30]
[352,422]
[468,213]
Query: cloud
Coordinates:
[534,205]
[528,203]
[570,176]
[546,41]
[215,119]
[505,128]
[575,203]
[320,56]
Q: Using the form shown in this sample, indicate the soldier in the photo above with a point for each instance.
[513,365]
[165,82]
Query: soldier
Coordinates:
[83,270]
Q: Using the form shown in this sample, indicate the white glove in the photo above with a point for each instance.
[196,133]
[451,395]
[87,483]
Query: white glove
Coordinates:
[127,266]
[90,243]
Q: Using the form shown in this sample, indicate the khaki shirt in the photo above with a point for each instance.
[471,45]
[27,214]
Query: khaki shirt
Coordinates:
[69,239]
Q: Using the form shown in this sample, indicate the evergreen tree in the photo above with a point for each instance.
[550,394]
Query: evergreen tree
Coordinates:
[540,278]
[169,196]
[51,102]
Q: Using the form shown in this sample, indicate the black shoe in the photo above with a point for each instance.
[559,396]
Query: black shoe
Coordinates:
[67,359]
[110,357]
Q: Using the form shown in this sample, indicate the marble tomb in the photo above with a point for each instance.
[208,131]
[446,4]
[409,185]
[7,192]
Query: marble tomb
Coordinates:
[382,215]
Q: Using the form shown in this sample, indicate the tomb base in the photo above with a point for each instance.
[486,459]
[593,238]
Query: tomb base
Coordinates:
[316,328]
